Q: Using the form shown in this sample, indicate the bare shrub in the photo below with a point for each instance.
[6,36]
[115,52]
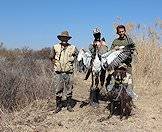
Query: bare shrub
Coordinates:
[25,78]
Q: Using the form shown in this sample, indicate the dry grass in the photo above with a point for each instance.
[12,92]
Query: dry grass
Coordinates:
[147,70]
[23,79]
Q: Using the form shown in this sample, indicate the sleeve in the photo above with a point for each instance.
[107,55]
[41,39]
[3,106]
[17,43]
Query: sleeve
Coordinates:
[134,53]
[113,44]
[76,52]
[107,48]
[52,54]
[132,42]
[91,48]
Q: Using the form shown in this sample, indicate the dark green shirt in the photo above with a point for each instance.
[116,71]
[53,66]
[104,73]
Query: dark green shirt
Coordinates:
[121,42]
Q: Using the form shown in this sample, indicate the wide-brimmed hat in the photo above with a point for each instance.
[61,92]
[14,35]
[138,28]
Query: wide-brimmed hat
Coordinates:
[64,34]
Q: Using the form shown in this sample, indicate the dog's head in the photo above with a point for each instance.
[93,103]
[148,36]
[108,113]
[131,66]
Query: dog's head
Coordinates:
[119,74]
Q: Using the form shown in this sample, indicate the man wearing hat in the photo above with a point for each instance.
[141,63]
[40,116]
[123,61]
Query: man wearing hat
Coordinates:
[63,56]
[98,45]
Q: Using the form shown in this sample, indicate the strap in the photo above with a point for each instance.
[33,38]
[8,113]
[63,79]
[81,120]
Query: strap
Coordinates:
[121,88]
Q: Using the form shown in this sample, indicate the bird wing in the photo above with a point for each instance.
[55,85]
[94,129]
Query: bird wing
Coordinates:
[87,59]
[113,59]
[80,55]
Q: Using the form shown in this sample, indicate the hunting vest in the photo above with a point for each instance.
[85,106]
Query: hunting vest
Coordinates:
[64,58]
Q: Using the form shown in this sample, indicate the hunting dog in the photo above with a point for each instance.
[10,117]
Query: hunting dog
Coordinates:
[119,98]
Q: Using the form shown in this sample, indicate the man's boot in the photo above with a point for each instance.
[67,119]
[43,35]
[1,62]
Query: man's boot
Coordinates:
[93,98]
[96,97]
[58,104]
[69,105]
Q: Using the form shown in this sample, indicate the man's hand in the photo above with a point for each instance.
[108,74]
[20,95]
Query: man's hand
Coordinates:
[116,48]
[51,59]
[94,45]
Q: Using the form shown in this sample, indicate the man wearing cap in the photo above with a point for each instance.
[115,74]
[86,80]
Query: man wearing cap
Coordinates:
[99,46]
[63,56]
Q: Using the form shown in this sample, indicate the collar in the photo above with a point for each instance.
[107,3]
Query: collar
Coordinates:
[118,82]
[122,38]
[64,45]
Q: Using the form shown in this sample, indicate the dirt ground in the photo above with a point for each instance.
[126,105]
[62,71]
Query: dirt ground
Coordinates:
[39,117]
[146,117]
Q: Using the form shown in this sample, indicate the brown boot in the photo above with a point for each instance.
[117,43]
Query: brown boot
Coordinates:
[69,107]
[58,104]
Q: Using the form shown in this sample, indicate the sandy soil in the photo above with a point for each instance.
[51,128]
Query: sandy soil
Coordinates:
[147,116]
[39,117]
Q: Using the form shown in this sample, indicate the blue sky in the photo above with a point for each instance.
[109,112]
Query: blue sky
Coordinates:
[36,23]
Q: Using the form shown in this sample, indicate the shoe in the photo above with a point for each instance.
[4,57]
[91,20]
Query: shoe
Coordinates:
[69,107]
[94,98]
[58,105]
